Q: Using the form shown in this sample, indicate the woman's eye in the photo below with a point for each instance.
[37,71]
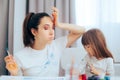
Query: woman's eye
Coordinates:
[46,27]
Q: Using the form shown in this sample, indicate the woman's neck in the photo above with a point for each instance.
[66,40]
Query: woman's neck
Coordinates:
[38,46]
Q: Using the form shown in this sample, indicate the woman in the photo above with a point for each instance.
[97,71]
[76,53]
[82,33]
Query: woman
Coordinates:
[41,54]
[99,58]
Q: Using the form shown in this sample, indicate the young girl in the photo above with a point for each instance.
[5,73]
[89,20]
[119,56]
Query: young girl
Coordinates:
[99,58]
[41,54]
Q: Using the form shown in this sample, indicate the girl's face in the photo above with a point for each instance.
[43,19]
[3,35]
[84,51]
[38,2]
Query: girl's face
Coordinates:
[89,50]
[45,32]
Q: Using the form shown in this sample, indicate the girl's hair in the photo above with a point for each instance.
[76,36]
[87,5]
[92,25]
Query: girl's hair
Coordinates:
[31,21]
[96,40]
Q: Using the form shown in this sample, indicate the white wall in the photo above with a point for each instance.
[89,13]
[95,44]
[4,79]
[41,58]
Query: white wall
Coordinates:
[111,32]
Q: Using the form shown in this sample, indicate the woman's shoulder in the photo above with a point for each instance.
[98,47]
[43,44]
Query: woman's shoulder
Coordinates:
[22,51]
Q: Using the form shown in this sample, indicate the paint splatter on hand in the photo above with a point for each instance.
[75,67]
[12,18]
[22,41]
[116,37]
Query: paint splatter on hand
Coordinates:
[55,15]
[11,65]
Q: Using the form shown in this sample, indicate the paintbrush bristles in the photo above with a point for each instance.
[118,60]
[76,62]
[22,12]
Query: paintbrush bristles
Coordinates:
[8,52]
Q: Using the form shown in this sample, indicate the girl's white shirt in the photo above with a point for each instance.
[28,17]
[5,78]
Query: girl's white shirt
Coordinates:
[41,63]
[104,65]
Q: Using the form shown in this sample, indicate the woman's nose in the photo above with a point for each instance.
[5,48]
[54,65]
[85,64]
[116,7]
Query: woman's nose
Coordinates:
[51,31]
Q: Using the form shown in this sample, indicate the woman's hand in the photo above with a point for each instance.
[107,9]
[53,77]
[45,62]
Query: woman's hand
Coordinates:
[11,65]
[55,16]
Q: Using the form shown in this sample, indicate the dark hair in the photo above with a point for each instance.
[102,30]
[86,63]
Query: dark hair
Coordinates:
[96,39]
[32,20]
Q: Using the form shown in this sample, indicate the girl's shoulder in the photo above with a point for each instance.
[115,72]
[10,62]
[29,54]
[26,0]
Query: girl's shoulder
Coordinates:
[109,59]
[106,60]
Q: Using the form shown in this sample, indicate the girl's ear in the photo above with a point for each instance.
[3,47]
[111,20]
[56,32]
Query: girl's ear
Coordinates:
[33,31]
[87,46]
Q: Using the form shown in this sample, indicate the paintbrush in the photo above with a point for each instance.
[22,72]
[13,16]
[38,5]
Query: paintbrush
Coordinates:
[8,53]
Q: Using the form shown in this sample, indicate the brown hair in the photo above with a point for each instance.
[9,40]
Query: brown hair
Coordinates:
[96,39]
[32,20]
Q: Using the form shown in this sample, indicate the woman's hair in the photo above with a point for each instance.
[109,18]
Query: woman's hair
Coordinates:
[96,40]
[31,21]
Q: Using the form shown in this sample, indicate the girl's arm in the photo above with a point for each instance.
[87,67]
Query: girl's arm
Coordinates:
[110,66]
[75,30]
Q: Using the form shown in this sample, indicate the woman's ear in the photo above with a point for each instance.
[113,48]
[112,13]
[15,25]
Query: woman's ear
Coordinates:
[33,31]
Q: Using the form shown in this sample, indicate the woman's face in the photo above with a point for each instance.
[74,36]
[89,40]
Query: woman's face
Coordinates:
[89,50]
[45,32]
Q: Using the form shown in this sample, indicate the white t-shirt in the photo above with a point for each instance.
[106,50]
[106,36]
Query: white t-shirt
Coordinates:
[104,65]
[41,63]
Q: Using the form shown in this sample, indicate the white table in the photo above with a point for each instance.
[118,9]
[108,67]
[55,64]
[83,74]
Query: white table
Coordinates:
[31,78]
[42,78]
[115,78]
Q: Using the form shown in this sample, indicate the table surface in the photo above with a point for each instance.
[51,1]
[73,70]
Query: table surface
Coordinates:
[30,78]
[42,78]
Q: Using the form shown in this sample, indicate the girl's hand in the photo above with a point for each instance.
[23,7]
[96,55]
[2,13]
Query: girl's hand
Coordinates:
[94,70]
[55,16]
[11,65]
